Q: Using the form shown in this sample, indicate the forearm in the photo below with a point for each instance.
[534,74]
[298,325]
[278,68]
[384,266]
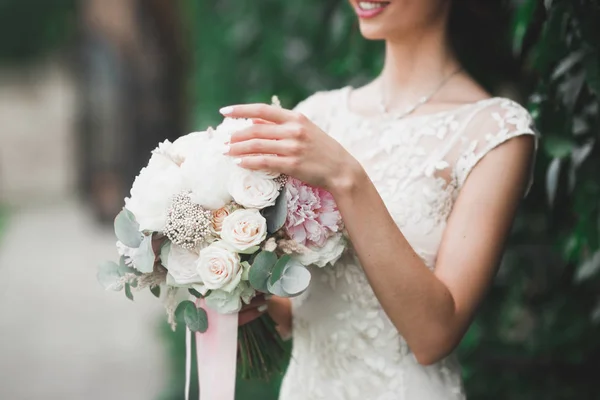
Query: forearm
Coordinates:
[417,302]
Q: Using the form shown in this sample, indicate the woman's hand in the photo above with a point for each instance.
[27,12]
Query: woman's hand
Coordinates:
[288,142]
[279,309]
[255,309]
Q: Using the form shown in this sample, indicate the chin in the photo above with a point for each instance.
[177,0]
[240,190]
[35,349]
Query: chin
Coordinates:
[381,20]
[373,32]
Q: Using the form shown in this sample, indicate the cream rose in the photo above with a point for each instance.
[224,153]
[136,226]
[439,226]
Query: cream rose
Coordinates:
[218,218]
[253,189]
[244,229]
[219,267]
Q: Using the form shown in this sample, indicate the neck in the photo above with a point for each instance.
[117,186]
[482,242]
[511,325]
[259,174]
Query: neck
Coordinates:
[415,65]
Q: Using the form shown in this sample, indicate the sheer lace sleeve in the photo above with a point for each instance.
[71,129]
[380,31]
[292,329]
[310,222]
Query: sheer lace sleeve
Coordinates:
[487,129]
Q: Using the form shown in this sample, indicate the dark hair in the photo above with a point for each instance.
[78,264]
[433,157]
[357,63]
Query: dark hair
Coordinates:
[479,33]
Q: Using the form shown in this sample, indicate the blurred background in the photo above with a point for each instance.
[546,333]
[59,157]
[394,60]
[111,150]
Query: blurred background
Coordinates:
[88,87]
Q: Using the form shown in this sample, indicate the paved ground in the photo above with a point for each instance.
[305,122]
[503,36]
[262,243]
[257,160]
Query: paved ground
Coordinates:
[61,336]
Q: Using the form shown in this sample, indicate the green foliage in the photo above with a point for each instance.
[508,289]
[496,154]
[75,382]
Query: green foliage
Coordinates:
[261,270]
[155,290]
[31,28]
[127,229]
[276,214]
[144,256]
[108,276]
[536,335]
[195,318]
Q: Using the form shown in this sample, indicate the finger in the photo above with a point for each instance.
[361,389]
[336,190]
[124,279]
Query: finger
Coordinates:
[279,164]
[255,303]
[266,112]
[249,315]
[262,146]
[260,131]
[259,121]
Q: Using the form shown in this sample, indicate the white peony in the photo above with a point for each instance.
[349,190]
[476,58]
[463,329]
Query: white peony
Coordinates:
[205,173]
[227,303]
[182,265]
[328,254]
[231,125]
[219,267]
[253,189]
[152,192]
[243,229]
[186,146]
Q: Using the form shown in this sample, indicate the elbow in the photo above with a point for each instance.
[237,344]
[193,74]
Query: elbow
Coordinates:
[428,359]
[434,351]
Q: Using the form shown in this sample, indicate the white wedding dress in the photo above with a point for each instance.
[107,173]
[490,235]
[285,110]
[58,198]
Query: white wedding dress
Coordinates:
[345,347]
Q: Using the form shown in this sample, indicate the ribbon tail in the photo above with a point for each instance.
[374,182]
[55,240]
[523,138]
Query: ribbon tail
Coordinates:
[188,361]
[216,353]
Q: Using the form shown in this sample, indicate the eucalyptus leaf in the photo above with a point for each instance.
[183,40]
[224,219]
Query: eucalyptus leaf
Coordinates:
[295,279]
[143,259]
[261,270]
[108,275]
[127,229]
[277,289]
[126,269]
[128,291]
[195,318]
[276,214]
[278,269]
[155,291]
[195,293]
[181,307]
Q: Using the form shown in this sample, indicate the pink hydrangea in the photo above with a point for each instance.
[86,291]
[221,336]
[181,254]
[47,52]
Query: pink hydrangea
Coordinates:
[312,214]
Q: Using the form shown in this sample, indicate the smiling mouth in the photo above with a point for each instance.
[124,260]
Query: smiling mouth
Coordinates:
[372,5]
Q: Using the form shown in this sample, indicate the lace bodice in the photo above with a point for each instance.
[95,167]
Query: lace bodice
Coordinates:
[345,347]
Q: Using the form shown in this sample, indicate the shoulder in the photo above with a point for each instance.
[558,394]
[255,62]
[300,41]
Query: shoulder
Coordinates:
[502,115]
[491,124]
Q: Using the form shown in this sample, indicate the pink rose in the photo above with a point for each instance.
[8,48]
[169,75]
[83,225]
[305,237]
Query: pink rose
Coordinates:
[313,216]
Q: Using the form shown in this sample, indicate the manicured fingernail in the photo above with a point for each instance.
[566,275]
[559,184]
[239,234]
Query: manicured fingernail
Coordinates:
[237,161]
[268,296]
[226,110]
[226,149]
[262,308]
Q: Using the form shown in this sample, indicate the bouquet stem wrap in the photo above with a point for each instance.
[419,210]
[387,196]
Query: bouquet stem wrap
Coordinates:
[216,352]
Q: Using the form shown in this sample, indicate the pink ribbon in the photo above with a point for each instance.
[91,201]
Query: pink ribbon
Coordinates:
[216,355]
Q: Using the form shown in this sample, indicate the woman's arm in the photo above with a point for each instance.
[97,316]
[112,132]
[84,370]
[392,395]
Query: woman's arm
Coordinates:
[433,310]
[430,310]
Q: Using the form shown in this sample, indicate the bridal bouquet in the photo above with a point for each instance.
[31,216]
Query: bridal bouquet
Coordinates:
[197,222]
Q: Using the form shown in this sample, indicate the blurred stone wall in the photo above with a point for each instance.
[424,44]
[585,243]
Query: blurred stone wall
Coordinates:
[37,138]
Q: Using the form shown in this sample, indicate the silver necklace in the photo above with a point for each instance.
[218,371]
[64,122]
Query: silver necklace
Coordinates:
[398,115]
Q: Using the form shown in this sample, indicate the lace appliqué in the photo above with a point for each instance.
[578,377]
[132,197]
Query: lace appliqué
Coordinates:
[345,346]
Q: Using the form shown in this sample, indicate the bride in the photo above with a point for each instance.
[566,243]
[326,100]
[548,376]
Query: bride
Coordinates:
[427,170]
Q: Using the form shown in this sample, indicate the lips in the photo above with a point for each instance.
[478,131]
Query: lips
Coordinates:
[370,9]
